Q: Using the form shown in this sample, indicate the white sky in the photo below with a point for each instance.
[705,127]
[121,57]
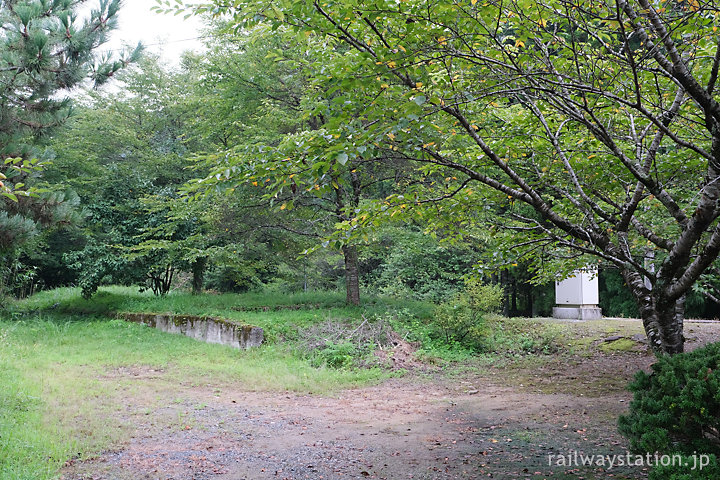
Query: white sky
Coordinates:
[174,34]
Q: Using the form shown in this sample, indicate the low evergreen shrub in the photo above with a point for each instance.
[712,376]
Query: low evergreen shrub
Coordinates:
[676,410]
[695,467]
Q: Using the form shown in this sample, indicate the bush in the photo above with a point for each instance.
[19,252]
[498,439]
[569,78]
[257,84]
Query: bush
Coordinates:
[461,319]
[676,408]
[688,468]
[337,355]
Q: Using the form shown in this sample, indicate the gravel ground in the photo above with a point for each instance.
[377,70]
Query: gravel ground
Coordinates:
[499,421]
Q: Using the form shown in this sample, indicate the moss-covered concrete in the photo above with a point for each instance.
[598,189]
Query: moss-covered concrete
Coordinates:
[207,329]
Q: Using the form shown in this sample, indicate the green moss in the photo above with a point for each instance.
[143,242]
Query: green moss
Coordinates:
[583,344]
[620,345]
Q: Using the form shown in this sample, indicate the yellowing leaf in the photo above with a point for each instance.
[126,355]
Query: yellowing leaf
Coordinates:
[283,206]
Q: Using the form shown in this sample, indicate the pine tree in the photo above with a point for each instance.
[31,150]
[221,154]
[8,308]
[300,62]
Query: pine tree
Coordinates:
[46,50]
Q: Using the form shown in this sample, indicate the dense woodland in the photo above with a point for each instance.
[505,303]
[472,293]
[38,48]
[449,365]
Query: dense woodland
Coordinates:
[394,149]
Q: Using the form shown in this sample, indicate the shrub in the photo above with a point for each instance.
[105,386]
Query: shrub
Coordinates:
[337,355]
[688,468]
[676,408]
[461,319]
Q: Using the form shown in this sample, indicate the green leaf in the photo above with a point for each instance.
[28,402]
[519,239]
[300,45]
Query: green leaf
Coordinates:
[279,13]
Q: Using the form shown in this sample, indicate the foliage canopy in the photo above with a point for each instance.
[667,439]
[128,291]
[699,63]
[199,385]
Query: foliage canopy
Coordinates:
[590,129]
[46,52]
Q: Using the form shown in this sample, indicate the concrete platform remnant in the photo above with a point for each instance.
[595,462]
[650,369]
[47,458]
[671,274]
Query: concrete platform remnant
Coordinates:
[207,329]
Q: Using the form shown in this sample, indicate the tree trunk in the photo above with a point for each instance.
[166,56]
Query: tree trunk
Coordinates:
[513,298]
[352,278]
[664,328]
[198,272]
[663,320]
[506,294]
[530,307]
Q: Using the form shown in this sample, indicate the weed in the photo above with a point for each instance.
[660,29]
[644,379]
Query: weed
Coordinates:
[343,343]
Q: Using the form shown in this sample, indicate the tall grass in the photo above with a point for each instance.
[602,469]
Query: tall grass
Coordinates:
[260,309]
[117,298]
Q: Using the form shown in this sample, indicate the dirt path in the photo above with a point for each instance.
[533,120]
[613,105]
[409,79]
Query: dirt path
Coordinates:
[490,424]
[508,420]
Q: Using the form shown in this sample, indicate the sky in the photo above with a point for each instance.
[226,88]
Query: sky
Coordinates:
[163,34]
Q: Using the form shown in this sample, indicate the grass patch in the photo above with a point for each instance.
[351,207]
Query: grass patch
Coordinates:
[117,298]
[523,336]
[26,452]
[66,388]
